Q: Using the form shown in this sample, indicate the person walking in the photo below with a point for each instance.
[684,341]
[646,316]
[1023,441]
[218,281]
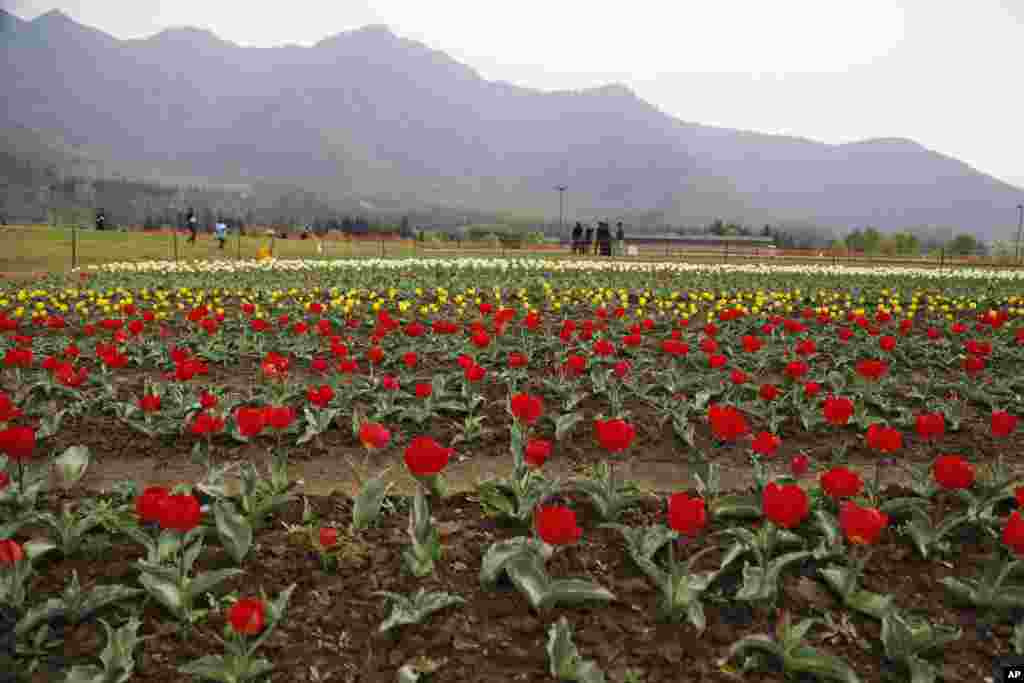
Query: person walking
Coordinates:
[577,238]
[221,230]
[193,226]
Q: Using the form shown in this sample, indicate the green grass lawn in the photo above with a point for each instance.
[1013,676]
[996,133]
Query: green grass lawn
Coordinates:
[40,248]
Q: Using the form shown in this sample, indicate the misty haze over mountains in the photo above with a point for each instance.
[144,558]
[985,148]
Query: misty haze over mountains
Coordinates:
[367,114]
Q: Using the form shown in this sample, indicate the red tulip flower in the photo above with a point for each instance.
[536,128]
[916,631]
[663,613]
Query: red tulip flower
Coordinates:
[537,452]
[1013,533]
[686,515]
[251,421]
[18,443]
[766,444]
[179,513]
[424,390]
[147,505]
[872,370]
[247,617]
[1003,423]
[328,537]
[727,423]
[10,553]
[614,436]
[837,410]
[884,439]
[952,472]
[205,424]
[786,506]
[840,482]
[374,436]
[526,408]
[862,526]
[556,525]
[768,392]
[799,465]
[425,457]
[930,425]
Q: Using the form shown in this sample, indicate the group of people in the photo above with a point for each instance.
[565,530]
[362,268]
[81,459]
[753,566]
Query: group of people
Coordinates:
[220,229]
[599,242]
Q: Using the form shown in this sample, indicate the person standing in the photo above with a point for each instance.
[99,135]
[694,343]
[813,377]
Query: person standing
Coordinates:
[620,238]
[193,226]
[101,219]
[577,238]
[604,239]
[221,229]
[588,238]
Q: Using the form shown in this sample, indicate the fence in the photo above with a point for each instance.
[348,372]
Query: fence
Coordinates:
[43,249]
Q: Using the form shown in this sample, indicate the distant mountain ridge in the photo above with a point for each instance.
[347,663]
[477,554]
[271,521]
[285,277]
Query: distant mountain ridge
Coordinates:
[368,113]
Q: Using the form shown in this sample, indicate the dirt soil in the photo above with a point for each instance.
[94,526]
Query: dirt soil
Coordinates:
[330,630]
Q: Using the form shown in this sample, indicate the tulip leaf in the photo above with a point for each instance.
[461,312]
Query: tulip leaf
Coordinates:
[367,504]
[872,604]
[564,661]
[206,581]
[413,610]
[574,592]
[735,507]
[497,557]
[233,529]
[71,465]
[565,423]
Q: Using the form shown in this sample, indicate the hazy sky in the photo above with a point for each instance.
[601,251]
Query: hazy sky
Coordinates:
[946,73]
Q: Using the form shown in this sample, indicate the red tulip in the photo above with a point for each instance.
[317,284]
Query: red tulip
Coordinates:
[8,411]
[204,424]
[1003,423]
[18,443]
[150,403]
[930,425]
[614,436]
[840,482]
[872,369]
[884,439]
[278,417]
[786,506]
[953,472]
[766,444]
[727,423]
[425,457]
[179,513]
[250,421]
[768,392]
[1013,533]
[796,369]
[147,505]
[556,525]
[374,436]
[862,526]
[328,537]
[837,410]
[686,515]
[247,617]
[10,552]
[799,465]
[811,389]
[537,452]
[424,390]
[752,344]
[527,408]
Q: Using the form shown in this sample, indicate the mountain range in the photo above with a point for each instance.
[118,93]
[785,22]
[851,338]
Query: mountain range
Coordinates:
[369,114]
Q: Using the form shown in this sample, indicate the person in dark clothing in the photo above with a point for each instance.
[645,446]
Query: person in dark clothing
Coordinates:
[620,234]
[604,239]
[193,226]
[588,239]
[620,240]
[101,220]
[577,238]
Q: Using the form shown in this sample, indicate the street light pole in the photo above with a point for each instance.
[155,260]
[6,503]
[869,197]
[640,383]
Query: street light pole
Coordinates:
[561,209]
[1020,227]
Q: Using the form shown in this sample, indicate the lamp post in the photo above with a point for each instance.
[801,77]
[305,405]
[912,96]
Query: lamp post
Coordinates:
[1020,228]
[561,209]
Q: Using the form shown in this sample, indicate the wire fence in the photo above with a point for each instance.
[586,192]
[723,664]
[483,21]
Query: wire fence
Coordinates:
[36,249]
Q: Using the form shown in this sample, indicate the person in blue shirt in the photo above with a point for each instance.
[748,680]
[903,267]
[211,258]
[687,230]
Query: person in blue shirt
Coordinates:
[221,231]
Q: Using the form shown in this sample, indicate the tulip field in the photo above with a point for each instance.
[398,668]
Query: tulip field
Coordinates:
[257,470]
